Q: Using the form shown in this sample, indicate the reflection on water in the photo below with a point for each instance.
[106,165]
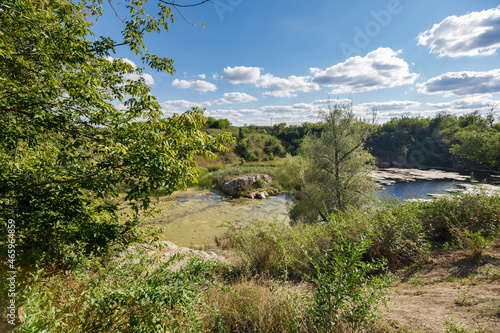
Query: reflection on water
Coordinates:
[405,191]
[194,217]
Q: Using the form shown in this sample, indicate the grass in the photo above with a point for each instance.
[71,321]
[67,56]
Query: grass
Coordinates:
[453,327]
[464,298]
[324,277]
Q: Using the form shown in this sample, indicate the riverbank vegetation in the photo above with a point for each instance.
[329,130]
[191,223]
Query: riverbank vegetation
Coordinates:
[464,142]
[71,156]
[330,276]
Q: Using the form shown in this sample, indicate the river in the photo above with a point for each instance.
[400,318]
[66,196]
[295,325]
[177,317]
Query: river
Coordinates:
[194,217]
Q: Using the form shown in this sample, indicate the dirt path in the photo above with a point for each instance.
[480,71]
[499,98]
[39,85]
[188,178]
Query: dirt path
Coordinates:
[448,292]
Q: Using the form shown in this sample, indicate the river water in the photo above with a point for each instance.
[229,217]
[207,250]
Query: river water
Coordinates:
[412,190]
[194,217]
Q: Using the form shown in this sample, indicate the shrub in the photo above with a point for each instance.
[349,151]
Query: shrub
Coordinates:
[464,217]
[275,249]
[136,294]
[345,298]
[259,306]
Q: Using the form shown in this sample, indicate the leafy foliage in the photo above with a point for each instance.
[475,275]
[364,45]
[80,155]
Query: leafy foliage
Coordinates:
[466,141]
[69,148]
[480,149]
[345,297]
[217,123]
[131,294]
[331,172]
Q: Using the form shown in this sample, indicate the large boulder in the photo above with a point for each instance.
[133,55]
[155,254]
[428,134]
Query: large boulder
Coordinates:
[234,187]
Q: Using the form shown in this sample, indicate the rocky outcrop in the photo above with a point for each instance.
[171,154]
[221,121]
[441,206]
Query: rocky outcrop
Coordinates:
[161,251]
[392,176]
[258,195]
[234,187]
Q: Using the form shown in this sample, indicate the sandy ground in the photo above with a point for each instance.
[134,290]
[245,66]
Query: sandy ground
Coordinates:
[450,288]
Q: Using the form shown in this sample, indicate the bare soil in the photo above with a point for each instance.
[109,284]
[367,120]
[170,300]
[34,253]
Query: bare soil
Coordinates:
[448,290]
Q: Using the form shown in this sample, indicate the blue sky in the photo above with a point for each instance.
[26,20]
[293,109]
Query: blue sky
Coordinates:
[266,62]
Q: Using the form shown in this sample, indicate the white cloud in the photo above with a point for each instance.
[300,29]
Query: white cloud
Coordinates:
[281,87]
[379,69]
[202,76]
[289,109]
[468,104]
[198,85]
[474,34]
[332,102]
[178,106]
[462,83]
[235,97]
[241,74]
[275,86]
[388,106]
[148,78]
[385,110]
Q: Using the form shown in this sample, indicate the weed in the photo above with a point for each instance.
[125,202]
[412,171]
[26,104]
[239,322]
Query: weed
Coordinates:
[464,298]
[345,298]
[416,281]
[136,294]
[452,327]
[486,311]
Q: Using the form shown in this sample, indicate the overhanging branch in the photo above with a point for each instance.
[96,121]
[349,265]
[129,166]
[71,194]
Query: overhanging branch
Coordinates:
[177,5]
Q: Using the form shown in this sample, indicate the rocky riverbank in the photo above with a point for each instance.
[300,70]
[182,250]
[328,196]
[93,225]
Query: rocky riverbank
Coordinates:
[391,176]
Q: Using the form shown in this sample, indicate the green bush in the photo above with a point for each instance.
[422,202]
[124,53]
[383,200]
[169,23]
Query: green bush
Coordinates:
[394,231]
[451,218]
[134,294]
[345,297]
[273,146]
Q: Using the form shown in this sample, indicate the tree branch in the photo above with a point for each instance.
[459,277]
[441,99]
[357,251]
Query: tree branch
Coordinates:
[177,5]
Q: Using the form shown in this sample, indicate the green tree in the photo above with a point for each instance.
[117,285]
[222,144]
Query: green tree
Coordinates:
[76,129]
[478,148]
[331,171]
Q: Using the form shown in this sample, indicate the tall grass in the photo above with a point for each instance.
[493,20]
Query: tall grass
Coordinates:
[325,277]
[400,234]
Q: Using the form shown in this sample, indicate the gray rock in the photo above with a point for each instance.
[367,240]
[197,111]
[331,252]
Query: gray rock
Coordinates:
[234,186]
[261,195]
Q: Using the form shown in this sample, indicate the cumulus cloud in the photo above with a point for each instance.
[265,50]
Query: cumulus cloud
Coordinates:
[235,97]
[274,86]
[386,110]
[198,85]
[389,105]
[379,69]
[462,83]
[332,102]
[148,78]
[281,87]
[178,106]
[474,34]
[468,104]
[288,109]
[241,74]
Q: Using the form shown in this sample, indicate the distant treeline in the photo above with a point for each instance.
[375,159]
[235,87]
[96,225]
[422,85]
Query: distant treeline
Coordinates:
[470,141]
